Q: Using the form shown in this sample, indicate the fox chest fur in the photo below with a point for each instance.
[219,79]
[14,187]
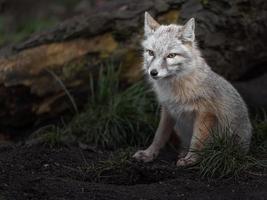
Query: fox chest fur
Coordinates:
[182,96]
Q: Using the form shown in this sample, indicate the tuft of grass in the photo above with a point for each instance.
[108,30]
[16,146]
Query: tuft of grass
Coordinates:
[224,156]
[114,118]
[52,135]
[259,138]
[117,163]
[64,88]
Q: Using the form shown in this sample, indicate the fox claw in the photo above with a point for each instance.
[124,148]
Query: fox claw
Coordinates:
[182,155]
[144,156]
[187,161]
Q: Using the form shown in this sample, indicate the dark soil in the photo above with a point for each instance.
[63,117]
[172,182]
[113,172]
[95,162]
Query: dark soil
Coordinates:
[41,172]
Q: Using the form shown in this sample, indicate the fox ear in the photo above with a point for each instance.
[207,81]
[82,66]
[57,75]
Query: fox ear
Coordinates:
[188,32]
[151,24]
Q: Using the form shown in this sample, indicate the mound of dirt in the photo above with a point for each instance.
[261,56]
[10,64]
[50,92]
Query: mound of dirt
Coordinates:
[41,172]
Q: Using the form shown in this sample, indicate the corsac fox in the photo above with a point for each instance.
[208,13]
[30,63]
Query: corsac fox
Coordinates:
[189,92]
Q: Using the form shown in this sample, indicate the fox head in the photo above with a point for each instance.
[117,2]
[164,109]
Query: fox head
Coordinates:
[169,50]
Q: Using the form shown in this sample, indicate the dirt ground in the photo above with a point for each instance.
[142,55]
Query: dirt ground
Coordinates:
[41,172]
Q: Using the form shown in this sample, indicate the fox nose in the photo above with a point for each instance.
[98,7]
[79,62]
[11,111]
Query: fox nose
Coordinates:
[154,73]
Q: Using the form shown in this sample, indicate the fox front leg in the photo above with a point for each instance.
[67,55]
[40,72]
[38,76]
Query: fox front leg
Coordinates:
[203,124]
[160,139]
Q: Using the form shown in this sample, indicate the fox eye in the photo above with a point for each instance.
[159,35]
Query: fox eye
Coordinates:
[151,53]
[172,55]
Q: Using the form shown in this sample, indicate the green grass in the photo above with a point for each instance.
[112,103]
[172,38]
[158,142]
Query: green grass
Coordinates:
[73,103]
[259,139]
[225,157]
[53,136]
[117,163]
[115,116]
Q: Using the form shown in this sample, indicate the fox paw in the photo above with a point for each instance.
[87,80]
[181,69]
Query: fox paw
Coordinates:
[144,156]
[185,162]
[182,154]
